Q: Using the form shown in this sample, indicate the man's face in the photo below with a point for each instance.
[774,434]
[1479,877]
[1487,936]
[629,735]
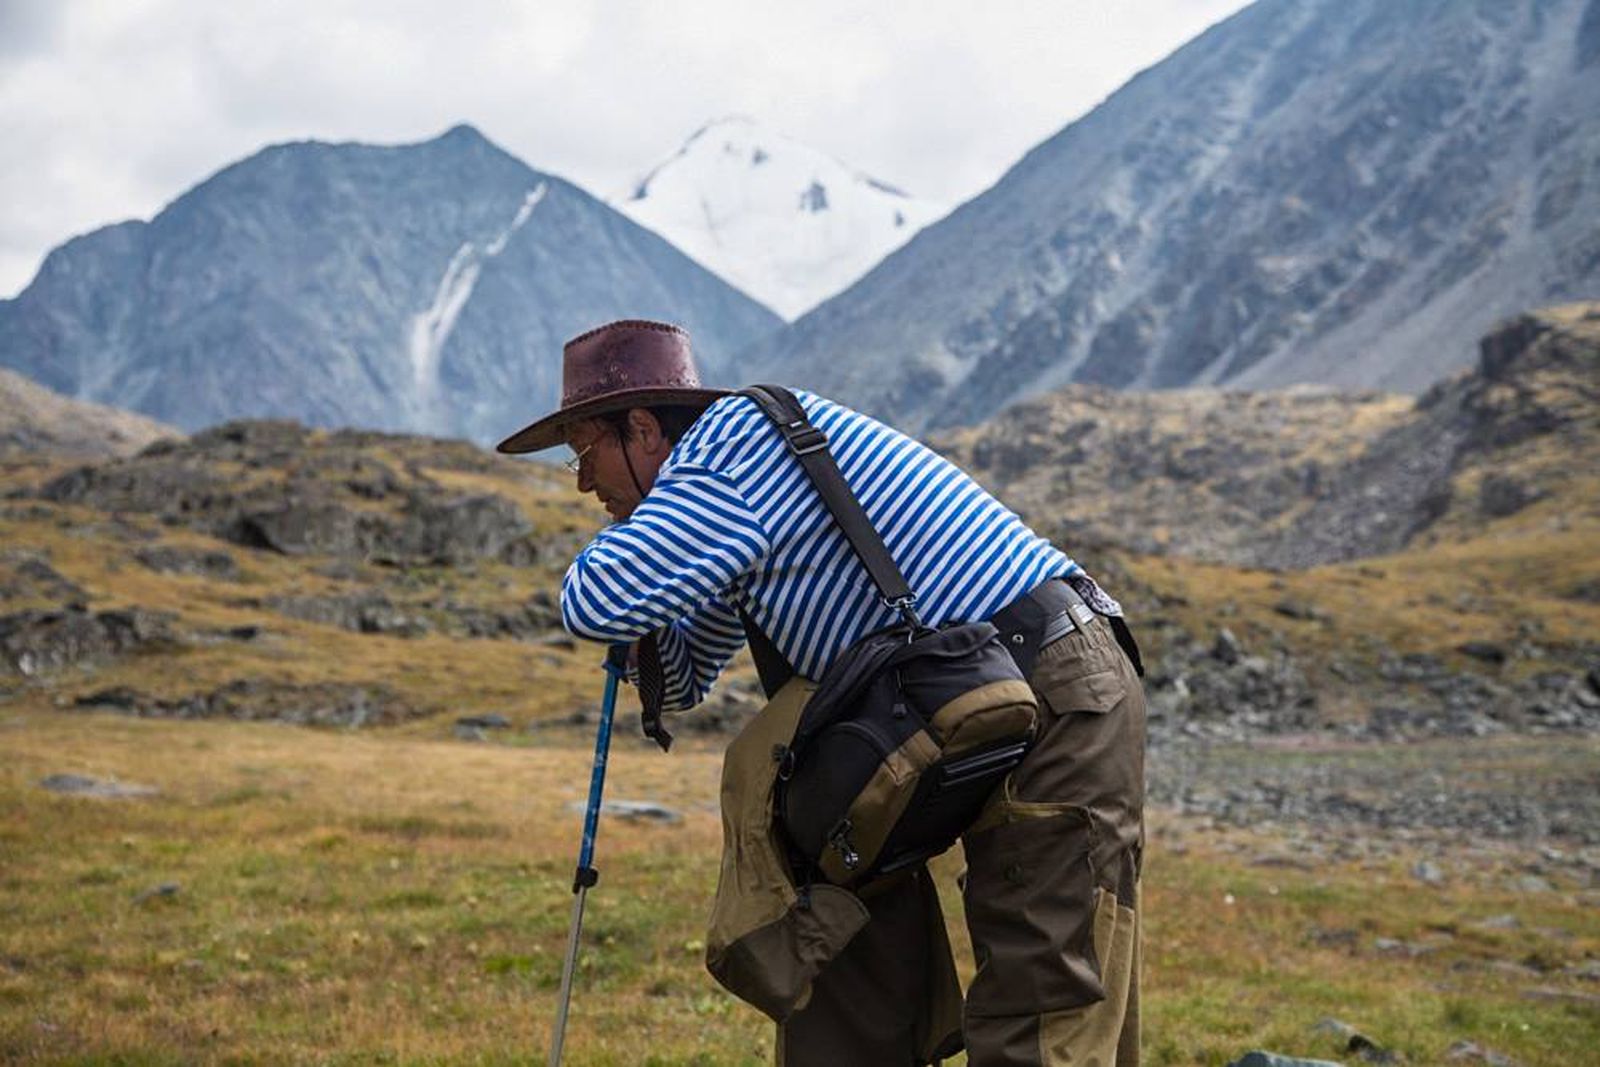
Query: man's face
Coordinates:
[603,470]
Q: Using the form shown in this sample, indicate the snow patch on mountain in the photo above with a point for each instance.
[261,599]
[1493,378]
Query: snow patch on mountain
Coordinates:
[431,328]
[789,225]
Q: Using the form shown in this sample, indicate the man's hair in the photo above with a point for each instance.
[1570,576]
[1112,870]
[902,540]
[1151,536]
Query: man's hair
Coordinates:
[675,419]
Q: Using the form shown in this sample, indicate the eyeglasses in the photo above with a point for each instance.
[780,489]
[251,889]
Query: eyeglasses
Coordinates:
[574,462]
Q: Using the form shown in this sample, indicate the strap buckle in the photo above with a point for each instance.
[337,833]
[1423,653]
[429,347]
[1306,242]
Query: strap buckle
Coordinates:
[803,438]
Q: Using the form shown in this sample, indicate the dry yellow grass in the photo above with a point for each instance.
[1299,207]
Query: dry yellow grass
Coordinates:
[1427,600]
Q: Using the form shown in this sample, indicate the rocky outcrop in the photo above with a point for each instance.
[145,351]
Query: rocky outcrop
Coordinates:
[196,562]
[282,487]
[38,642]
[372,611]
[31,577]
[367,612]
[257,700]
[1224,692]
[1523,426]
[1307,476]
[1436,701]
[1203,473]
[427,530]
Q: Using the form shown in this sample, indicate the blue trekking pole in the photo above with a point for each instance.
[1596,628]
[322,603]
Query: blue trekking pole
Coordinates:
[586,875]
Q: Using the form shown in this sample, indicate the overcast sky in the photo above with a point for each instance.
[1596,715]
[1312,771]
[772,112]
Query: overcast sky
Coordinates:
[109,109]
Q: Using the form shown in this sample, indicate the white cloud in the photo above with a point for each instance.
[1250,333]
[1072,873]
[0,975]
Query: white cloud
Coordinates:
[111,108]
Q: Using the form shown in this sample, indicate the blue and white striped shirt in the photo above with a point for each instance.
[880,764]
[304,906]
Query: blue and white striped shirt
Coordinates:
[732,521]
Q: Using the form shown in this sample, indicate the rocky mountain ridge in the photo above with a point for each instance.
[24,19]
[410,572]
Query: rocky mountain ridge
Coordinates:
[1312,191]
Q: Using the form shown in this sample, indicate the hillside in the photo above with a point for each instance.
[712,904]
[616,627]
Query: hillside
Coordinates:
[1429,563]
[1310,476]
[263,569]
[35,420]
[1313,191]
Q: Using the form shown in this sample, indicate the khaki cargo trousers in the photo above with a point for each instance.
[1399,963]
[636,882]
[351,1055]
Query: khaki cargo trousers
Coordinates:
[1052,904]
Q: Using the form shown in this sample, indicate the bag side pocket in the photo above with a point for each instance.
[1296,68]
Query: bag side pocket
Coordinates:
[772,966]
[766,942]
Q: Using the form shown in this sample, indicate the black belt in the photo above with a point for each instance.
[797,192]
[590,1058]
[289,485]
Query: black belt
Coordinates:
[1050,611]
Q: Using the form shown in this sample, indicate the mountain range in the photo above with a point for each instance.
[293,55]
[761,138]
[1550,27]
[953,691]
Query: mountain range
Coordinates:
[1338,191]
[782,221]
[427,287]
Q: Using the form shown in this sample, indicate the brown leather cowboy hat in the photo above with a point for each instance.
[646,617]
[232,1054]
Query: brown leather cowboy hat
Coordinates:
[633,363]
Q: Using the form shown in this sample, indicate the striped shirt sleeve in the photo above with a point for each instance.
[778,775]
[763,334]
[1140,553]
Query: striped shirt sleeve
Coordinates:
[668,569]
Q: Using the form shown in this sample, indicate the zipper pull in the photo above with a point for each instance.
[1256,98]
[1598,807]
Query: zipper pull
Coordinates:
[783,756]
[839,840]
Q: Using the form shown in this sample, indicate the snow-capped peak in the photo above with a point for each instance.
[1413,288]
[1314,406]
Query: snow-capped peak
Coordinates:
[786,223]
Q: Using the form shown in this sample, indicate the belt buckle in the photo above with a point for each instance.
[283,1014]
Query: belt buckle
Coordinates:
[1076,617]
[1056,627]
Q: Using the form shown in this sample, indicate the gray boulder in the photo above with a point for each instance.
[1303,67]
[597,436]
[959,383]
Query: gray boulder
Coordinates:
[84,786]
[1259,1058]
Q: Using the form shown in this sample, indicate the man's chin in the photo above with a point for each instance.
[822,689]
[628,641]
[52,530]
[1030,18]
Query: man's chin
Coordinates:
[618,509]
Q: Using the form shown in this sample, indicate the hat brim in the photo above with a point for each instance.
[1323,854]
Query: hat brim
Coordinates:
[552,429]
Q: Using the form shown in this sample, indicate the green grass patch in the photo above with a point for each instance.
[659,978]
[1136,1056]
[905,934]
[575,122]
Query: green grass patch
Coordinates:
[416,827]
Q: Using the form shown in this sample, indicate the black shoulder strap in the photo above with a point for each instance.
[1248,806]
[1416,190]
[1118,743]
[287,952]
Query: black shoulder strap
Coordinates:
[772,666]
[810,446]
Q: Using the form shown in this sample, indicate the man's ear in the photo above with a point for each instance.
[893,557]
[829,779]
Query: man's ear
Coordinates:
[646,429]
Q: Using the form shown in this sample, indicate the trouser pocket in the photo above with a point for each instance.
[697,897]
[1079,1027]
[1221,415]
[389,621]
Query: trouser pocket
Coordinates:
[1090,748]
[1030,896]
